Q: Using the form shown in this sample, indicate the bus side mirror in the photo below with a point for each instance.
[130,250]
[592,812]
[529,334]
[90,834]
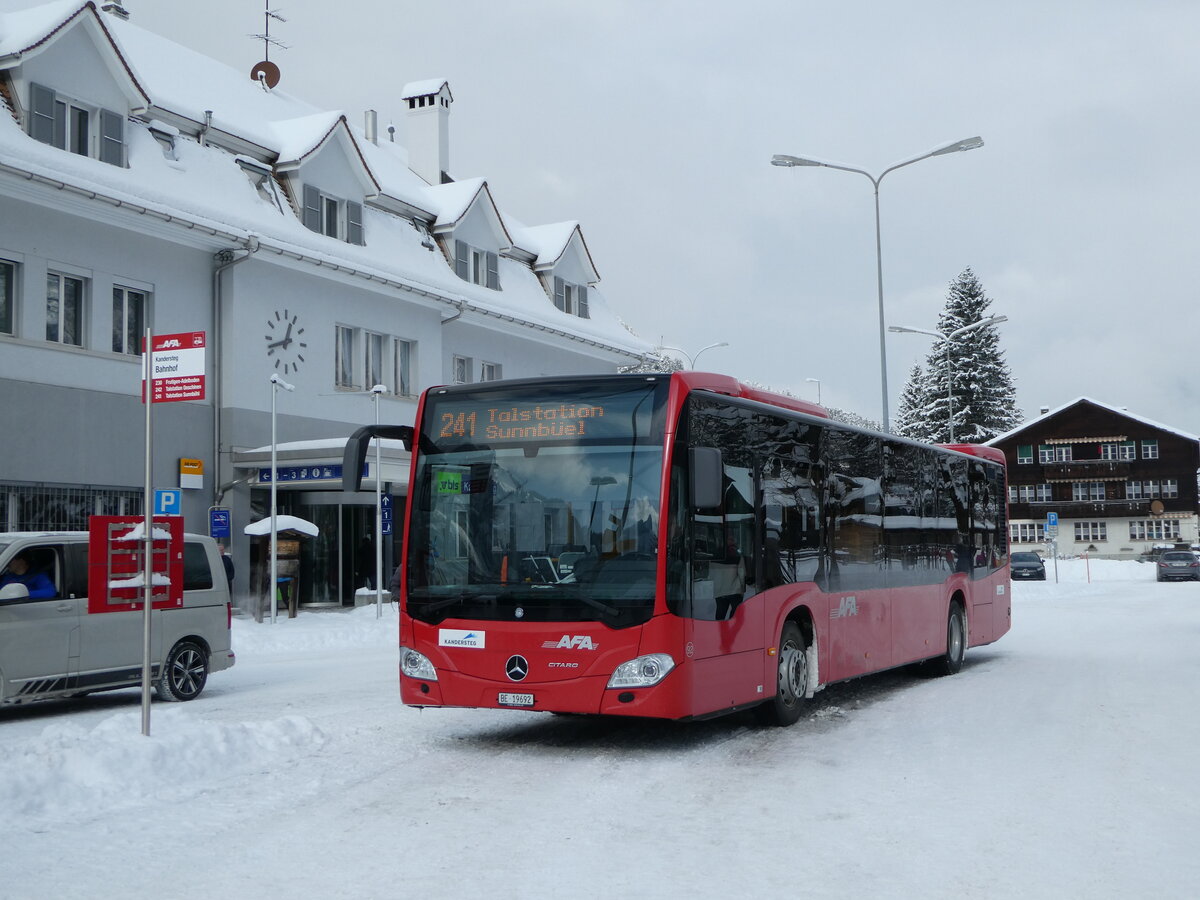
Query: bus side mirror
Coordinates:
[705,483]
[356,450]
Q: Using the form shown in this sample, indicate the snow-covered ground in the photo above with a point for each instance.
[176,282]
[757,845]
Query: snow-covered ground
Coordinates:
[1061,762]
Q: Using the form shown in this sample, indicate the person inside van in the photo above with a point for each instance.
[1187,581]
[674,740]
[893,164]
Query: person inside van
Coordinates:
[39,584]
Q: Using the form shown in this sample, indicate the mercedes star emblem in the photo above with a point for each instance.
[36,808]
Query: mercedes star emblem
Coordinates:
[516,668]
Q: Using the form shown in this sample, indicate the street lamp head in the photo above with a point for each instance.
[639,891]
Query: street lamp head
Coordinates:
[782,159]
[379,389]
[279,382]
[971,143]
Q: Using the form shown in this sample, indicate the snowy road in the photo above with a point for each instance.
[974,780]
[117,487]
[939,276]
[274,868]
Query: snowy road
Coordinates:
[1061,762]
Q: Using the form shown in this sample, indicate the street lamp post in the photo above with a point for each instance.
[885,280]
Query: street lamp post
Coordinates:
[781,159]
[693,357]
[276,384]
[947,338]
[817,382]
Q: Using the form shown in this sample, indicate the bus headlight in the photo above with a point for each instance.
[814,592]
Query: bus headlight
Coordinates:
[416,665]
[642,672]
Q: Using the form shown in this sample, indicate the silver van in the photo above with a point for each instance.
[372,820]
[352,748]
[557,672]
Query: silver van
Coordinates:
[51,646]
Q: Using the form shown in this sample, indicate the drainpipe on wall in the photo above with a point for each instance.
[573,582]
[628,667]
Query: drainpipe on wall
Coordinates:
[226,259]
[457,315]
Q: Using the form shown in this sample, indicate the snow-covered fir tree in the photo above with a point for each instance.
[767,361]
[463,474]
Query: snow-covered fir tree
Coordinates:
[910,421]
[966,377]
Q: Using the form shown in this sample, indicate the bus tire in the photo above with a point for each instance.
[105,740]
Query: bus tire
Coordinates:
[184,673]
[791,680]
[956,642]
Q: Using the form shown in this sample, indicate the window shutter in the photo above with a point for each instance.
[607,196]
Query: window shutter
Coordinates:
[112,138]
[41,118]
[560,293]
[462,260]
[493,271]
[311,213]
[583,302]
[354,228]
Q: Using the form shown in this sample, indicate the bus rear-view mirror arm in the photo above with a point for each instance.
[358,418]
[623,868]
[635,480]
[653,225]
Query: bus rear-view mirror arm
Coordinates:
[356,450]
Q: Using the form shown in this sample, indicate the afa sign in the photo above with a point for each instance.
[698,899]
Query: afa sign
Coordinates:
[176,363]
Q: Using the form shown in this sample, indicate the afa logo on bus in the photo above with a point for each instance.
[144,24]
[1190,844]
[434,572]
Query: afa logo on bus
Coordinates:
[571,642]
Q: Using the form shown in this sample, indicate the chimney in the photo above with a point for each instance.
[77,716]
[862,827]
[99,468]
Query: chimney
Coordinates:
[371,126]
[428,113]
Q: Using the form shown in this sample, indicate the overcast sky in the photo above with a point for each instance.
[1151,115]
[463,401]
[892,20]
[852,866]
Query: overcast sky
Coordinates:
[653,124]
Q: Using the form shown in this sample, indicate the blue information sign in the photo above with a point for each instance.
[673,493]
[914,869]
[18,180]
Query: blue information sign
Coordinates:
[385,509]
[220,522]
[167,502]
[328,472]
[1052,519]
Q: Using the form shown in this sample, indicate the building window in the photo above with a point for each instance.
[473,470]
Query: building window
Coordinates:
[1118,450]
[1027,532]
[477,266]
[1051,453]
[8,295]
[1083,491]
[344,358]
[1170,488]
[462,370]
[374,359]
[331,216]
[78,127]
[1149,449]
[1028,493]
[1025,454]
[571,298]
[1154,530]
[1088,532]
[129,320]
[1043,493]
[404,361]
[64,309]
[490,372]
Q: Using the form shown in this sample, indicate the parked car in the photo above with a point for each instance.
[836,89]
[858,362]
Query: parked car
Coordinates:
[51,645]
[1176,565]
[1027,566]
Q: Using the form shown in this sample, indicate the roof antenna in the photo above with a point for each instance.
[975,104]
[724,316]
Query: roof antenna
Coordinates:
[266,73]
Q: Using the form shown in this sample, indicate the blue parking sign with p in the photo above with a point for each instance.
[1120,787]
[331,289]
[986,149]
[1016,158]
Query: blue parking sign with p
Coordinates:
[1052,519]
[167,502]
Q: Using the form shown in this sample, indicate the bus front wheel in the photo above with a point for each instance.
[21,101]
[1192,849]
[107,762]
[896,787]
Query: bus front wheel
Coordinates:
[792,678]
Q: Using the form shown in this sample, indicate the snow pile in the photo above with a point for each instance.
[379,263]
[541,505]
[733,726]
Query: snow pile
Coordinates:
[360,627]
[72,771]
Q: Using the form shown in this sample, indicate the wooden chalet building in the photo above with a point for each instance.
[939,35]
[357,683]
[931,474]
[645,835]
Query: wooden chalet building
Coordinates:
[1120,484]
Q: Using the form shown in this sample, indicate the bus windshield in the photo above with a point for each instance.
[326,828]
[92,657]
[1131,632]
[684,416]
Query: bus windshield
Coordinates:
[537,503]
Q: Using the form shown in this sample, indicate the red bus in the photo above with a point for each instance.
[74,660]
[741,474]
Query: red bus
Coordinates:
[680,546]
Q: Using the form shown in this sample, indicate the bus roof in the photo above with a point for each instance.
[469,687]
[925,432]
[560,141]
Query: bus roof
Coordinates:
[724,384]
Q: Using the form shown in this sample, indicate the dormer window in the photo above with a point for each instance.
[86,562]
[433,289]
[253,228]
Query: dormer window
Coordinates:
[332,216]
[79,127]
[571,298]
[477,266]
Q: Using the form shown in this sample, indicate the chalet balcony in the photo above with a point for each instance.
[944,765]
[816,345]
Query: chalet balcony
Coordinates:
[1080,509]
[1086,469]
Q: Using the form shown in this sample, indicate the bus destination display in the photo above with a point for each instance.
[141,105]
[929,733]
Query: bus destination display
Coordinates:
[480,419]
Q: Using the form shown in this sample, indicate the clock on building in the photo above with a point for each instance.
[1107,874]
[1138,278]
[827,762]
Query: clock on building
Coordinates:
[284,341]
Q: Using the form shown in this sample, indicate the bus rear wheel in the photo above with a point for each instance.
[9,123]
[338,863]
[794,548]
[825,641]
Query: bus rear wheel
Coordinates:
[956,643]
[792,680]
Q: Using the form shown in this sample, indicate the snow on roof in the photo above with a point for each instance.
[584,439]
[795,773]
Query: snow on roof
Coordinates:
[282,523]
[24,29]
[424,88]
[1113,409]
[203,185]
